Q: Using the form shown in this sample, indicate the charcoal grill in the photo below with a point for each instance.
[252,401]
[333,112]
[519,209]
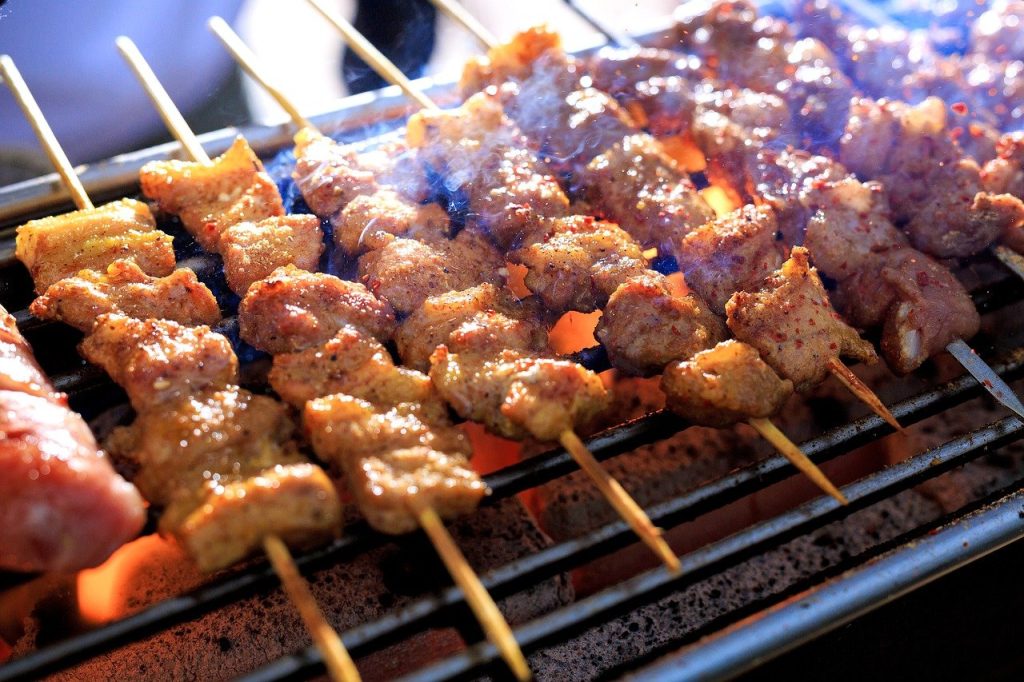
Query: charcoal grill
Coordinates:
[729,646]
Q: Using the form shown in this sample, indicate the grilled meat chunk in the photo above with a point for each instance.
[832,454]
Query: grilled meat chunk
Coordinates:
[225,466]
[732,253]
[516,395]
[209,198]
[293,309]
[391,456]
[370,219]
[618,71]
[159,361]
[723,385]
[406,272]
[790,321]
[579,262]
[124,288]
[514,60]
[57,247]
[646,325]
[19,370]
[512,323]
[1005,173]
[329,175]
[253,251]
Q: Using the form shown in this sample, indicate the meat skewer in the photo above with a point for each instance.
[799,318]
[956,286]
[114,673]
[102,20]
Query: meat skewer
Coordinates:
[598,173]
[339,664]
[481,602]
[614,493]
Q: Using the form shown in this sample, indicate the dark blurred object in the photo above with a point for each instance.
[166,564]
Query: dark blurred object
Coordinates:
[404,30]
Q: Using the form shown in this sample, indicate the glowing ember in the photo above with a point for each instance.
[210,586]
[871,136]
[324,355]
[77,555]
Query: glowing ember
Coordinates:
[103,591]
[574,332]
[719,200]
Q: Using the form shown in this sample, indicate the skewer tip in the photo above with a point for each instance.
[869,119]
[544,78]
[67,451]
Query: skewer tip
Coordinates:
[863,392]
[797,457]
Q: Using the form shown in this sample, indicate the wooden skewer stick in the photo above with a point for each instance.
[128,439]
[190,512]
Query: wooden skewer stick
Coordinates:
[861,390]
[479,600]
[767,429]
[339,664]
[247,59]
[43,131]
[460,15]
[336,658]
[796,456]
[371,55]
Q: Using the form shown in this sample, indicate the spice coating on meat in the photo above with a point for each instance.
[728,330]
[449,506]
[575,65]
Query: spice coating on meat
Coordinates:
[406,272]
[293,309]
[390,455]
[124,288]
[579,262]
[209,198]
[156,361]
[792,324]
[512,323]
[1005,175]
[723,385]
[329,175]
[370,219]
[635,185]
[57,247]
[253,251]
[511,61]
[224,464]
[618,71]
[645,326]
[732,253]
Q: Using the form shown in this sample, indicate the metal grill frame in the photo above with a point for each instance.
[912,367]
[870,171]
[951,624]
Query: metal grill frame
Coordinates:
[721,654]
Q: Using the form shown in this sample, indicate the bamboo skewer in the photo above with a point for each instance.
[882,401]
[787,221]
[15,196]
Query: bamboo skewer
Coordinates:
[796,456]
[339,664]
[632,513]
[462,16]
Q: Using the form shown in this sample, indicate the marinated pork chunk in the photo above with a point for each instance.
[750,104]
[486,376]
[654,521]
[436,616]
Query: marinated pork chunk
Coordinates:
[933,187]
[512,323]
[618,71]
[57,247]
[579,262]
[791,323]
[391,456]
[225,466]
[480,153]
[406,272]
[645,326]
[293,309]
[724,385]
[252,251]
[209,198]
[370,219]
[512,61]
[517,395]
[124,288]
[635,185]
[920,305]
[157,361]
[353,363]
[1005,175]
[732,253]
[64,508]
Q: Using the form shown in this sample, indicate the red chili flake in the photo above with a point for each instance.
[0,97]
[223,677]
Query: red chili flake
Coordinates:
[956,133]
[959,108]
[799,344]
[922,278]
[976,130]
[833,346]
[988,383]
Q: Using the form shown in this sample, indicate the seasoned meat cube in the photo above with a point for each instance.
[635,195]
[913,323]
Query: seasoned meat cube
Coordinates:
[645,326]
[520,325]
[353,363]
[209,198]
[253,251]
[158,361]
[389,456]
[513,60]
[293,309]
[792,324]
[638,187]
[124,288]
[406,272]
[723,385]
[480,153]
[329,175]
[224,464]
[19,370]
[60,246]
[370,218]
[920,305]
[733,253]
[782,180]
[618,71]
[1005,173]
[579,263]
[663,106]
[516,395]
[64,508]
